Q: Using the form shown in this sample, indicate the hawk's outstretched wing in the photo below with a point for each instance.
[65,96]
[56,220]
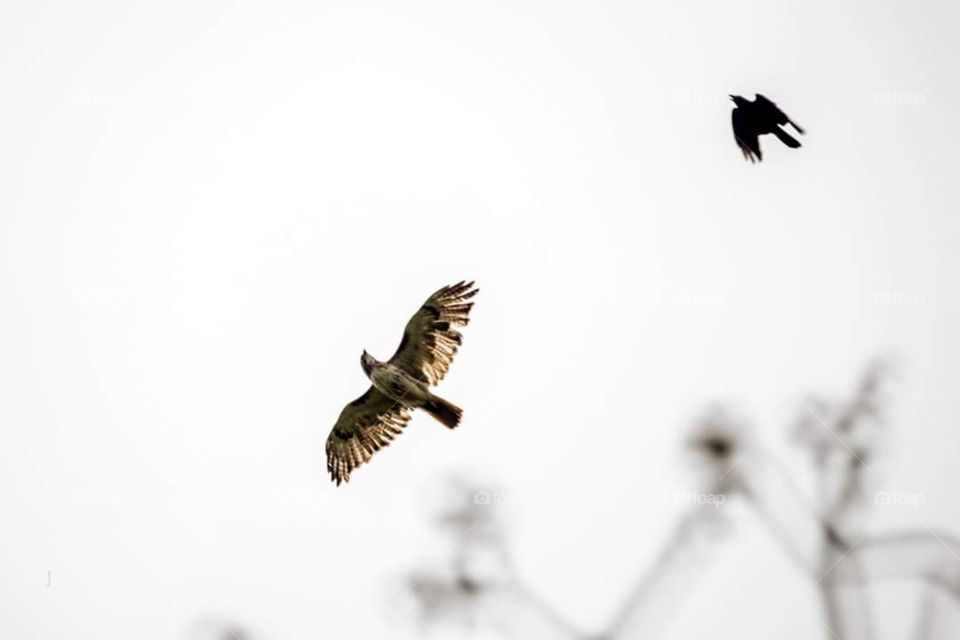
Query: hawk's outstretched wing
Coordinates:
[366,424]
[429,343]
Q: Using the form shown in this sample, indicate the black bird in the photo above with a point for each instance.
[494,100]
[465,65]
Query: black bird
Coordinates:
[753,119]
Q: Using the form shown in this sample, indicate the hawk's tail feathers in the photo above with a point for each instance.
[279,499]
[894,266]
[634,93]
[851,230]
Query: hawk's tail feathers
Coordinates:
[447,413]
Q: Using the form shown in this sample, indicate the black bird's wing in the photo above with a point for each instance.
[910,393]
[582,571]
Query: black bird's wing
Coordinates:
[364,426]
[785,137]
[768,109]
[746,134]
[429,343]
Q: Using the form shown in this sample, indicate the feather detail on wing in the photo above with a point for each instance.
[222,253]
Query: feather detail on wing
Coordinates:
[364,426]
[429,343]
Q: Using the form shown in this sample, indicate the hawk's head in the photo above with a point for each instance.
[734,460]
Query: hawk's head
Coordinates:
[367,361]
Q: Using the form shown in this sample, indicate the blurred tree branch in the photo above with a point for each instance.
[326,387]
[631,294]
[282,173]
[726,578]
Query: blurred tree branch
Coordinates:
[825,536]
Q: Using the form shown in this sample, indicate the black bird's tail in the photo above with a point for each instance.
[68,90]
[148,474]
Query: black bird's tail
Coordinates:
[786,138]
[447,413]
[796,126]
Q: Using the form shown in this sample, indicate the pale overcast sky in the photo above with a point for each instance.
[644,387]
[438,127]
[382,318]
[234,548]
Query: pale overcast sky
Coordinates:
[208,210]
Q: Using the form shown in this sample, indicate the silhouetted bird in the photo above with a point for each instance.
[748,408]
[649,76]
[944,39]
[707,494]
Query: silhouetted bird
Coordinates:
[753,119]
[401,384]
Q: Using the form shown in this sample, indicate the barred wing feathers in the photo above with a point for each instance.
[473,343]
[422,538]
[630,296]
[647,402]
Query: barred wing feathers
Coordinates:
[364,426]
[429,343]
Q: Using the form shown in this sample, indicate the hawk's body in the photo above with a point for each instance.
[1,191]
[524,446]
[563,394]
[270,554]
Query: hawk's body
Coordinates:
[395,383]
[402,383]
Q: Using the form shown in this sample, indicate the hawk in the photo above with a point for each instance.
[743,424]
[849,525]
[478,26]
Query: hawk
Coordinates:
[401,384]
[754,119]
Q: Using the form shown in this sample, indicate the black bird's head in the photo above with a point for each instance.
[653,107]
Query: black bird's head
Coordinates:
[740,101]
[367,361]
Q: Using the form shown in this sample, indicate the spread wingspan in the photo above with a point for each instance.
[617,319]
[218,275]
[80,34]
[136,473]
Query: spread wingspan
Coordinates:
[429,343]
[365,425]
[428,346]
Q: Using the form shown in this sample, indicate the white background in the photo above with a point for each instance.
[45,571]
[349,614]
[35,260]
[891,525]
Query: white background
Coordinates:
[207,211]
